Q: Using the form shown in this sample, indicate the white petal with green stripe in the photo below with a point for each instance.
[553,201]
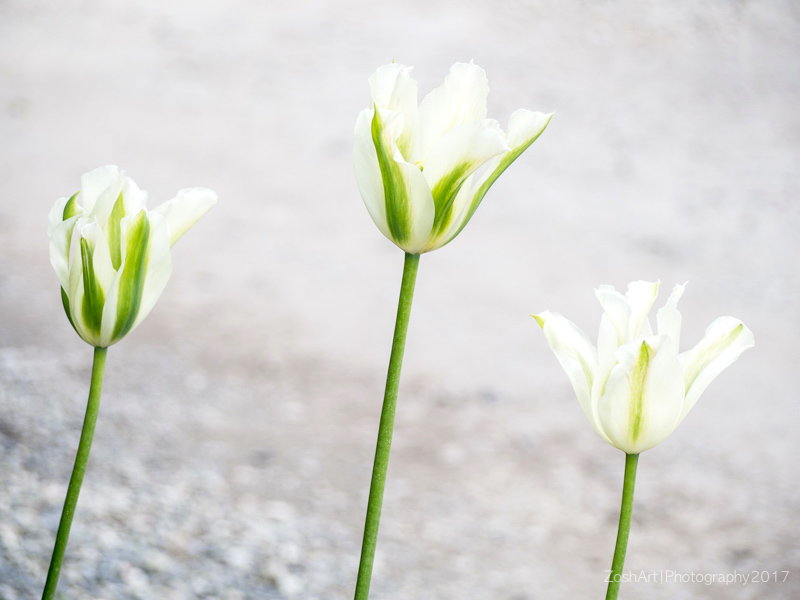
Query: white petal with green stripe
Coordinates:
[643,395]
[61,247]
[725,340]
[93,271]
[395,192]
[103,182]
[456,156]
[577,357]
[98,202]
[524,128]
[392,88]
[158,267]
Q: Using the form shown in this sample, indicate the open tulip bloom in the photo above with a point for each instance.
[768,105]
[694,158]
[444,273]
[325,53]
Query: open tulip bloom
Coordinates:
[422,171]
[112,258]
[416,165]
[634,386]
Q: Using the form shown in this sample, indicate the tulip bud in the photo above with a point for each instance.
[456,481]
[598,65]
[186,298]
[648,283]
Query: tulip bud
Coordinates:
[634,387]
[111,255]
[416,165]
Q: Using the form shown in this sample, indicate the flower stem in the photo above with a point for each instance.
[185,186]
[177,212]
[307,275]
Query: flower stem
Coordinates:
[385,430]
[85,445]
[631,462]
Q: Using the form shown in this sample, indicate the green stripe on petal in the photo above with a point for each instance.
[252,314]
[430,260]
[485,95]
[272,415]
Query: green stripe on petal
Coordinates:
[398,203]
[93,297]
[636,379]
[113,232]
[71,208]
[504,163]
[131,284]
[708,354]
[65,303]
[444,196]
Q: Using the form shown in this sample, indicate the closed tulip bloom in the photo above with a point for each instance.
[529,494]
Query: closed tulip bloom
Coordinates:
[635,387]
[416,164]
[112,255]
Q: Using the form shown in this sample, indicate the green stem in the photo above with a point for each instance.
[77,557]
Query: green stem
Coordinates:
[631,461]
[385,431]
[85,445]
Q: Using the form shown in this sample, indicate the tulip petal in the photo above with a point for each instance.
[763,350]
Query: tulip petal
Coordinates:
[62,210]
[668,317]
[135,232]
[183,211]
[60,245]
[95,182]
[368,172]
[628,313]
[459,212]
[159,265]
[74,292]
[99,278]
[617,310]
[99,191]
[392,88]
[725,340]
[141,281]
[460,99]
[455,157]
[56,215]
[134,198]
[393,190]
[524,128]
[576,355]
[65,304]
[643,396]
[607,346]
[72,208]
[103,267]
[91,306]
[640,297]
[113,231]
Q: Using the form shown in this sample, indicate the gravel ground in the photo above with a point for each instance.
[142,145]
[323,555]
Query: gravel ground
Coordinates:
[236,432]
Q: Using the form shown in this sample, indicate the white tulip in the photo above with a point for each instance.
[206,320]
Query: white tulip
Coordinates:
[635,387]
[416,165]
[111,255]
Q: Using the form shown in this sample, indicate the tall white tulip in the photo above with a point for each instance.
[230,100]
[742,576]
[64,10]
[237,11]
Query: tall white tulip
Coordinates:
[418,168]
[112,258]
[635,387]
[416,165]
[111,255]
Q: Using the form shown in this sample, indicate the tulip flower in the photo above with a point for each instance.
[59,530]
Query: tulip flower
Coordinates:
[112,258]
[416,166]
[635,387]
[422,171]
[115,268]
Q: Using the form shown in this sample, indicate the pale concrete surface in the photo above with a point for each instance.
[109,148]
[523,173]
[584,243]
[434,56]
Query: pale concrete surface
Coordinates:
[237,428]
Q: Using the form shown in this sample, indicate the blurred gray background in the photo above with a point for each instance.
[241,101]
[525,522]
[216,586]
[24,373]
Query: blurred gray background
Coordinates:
[235,440]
